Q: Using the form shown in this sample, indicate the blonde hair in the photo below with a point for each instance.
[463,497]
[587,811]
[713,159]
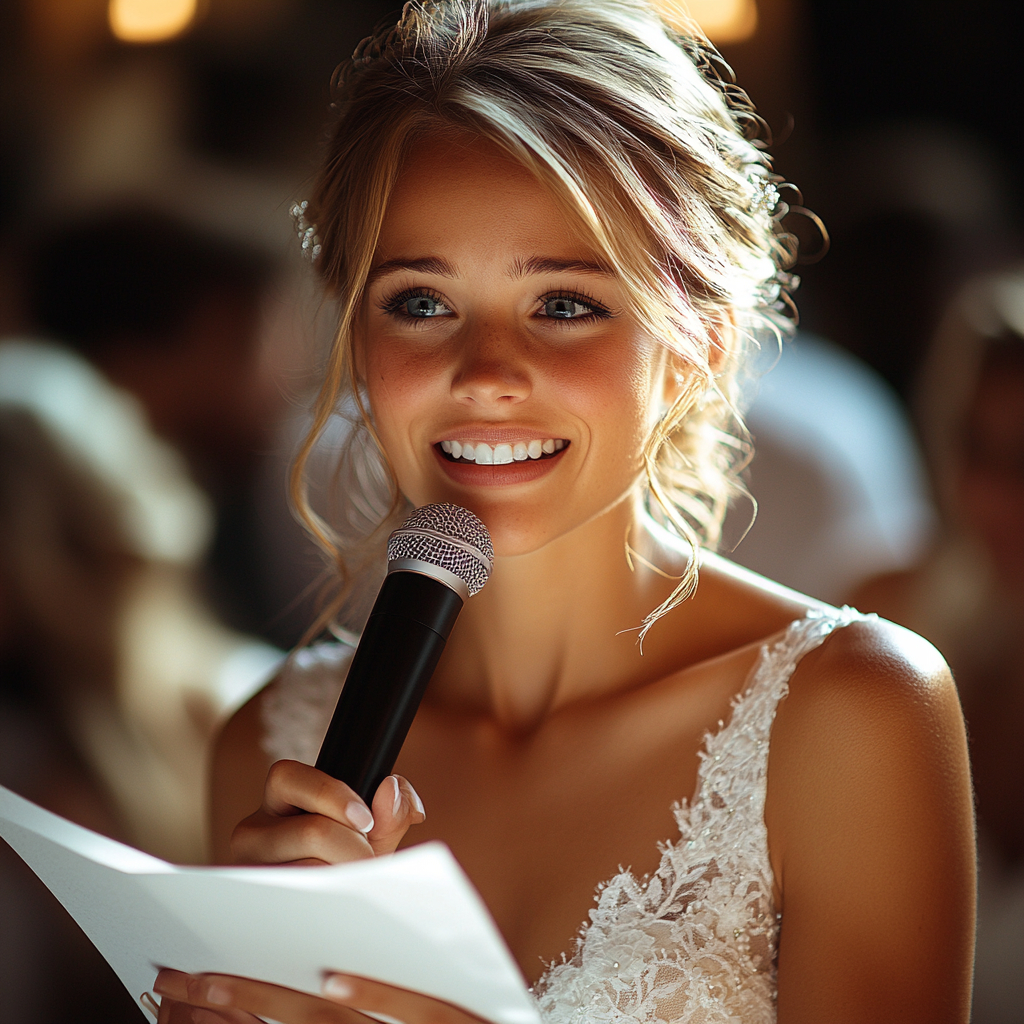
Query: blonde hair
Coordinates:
[646,147]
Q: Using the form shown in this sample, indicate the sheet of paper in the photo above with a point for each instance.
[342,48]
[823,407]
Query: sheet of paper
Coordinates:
[412,919]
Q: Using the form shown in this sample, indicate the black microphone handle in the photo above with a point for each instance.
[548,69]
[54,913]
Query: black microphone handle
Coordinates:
[398,651]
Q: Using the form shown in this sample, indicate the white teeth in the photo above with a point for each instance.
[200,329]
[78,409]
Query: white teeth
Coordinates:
[501,454]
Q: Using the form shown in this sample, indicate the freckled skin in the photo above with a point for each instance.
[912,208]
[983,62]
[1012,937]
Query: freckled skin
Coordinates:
[495,364]
[548,751]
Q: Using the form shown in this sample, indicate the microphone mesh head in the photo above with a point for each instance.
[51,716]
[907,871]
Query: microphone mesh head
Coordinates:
[448,536]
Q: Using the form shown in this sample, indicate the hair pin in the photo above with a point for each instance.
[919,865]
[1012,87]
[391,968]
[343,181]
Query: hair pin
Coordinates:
[308,238]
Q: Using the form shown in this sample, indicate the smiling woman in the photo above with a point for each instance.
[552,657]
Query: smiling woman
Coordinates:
[552,241]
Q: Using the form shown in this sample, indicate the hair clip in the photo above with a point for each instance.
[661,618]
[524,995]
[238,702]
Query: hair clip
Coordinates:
[766,195]
[308,238]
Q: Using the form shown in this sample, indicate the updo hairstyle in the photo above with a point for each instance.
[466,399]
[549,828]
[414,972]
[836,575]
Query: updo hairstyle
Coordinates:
[650,152]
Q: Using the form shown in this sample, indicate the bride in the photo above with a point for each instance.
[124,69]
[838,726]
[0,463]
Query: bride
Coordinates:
[552,242]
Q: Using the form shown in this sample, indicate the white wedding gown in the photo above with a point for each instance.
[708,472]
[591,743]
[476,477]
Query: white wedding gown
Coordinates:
[696,942]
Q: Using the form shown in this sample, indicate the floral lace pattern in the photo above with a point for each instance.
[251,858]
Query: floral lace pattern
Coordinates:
[696,942]
[297,709]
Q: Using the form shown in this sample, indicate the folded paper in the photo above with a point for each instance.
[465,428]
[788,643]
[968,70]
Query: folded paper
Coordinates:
[412,919]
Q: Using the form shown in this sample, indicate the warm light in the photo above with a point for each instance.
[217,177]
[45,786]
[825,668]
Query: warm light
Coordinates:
[722,21]
[150,21]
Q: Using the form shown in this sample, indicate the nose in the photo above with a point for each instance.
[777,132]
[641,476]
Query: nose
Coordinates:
[492,369]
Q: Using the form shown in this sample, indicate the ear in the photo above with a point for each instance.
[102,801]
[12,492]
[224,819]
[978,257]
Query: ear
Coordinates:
[678,372]
[723,336]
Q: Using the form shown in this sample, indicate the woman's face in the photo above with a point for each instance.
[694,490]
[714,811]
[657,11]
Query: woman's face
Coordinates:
[502,370]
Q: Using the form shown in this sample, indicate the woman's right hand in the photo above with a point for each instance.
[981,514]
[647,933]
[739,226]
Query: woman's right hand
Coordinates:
[309,818]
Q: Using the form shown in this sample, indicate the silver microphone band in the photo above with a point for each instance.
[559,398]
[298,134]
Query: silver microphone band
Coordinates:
[449,579]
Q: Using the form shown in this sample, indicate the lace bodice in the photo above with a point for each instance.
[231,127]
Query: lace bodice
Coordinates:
[696,942]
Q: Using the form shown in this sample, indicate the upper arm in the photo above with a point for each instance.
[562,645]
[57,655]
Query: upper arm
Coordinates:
[871,830]
[238,774]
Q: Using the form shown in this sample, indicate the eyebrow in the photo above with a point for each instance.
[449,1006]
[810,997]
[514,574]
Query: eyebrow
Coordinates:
[424,265]
[546,265]
[519,268]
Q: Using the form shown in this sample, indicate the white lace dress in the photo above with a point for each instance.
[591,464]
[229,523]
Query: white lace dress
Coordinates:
[696,942]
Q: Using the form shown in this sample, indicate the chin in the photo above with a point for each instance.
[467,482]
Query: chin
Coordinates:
[515,532]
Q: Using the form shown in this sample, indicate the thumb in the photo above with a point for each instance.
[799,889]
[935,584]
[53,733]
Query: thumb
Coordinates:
[396,806]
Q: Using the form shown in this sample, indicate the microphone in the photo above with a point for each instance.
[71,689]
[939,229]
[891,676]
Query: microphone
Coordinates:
[438,558]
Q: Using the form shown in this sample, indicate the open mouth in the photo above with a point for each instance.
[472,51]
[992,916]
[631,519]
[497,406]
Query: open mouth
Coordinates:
[479,453]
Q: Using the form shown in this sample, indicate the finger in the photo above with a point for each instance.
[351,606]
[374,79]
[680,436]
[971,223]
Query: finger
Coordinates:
[253,1000]
[396,807]
[178,1003]
[182,1013]
[293,787]
[300,839]
[377,997]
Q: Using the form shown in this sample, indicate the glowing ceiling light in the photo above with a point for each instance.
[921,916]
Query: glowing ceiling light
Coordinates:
[723,21]
[150,21]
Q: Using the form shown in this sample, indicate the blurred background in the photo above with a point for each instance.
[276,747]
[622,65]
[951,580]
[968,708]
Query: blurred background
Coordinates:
[159,338]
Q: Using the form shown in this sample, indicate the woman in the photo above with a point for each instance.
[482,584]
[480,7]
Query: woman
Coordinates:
[551,241]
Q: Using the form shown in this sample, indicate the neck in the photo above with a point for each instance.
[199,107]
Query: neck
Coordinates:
[555,626]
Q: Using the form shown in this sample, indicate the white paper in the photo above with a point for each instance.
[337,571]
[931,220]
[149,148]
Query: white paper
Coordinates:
[412,919]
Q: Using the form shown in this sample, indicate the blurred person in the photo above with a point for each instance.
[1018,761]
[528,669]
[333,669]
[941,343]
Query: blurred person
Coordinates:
[65,565]
[839,483]
[113,674]
[967,595]
[173,314]
[101,534]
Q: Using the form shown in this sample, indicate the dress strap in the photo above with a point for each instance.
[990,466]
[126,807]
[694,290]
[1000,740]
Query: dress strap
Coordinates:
[733,773]
[297,708]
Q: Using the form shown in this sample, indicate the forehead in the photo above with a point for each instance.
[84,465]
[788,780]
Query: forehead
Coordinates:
[468,195]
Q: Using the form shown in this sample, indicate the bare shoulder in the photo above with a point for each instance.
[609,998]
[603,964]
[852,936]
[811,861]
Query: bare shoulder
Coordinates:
[238,772]
[286,719]
[868,683]
[869,816]
[734,607]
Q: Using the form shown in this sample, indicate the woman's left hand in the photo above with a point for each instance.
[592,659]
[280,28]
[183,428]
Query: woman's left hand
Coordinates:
[220,998]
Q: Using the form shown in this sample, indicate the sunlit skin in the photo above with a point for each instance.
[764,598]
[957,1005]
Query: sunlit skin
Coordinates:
[549,750]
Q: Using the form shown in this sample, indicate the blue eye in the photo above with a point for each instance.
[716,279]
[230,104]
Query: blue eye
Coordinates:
[423,306]
[416,304]
[566,309]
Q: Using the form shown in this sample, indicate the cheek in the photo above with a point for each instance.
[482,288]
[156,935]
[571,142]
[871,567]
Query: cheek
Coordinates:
[401,387]
[614,392]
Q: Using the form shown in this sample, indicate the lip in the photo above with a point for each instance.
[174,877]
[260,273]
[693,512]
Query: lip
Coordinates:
[472,475]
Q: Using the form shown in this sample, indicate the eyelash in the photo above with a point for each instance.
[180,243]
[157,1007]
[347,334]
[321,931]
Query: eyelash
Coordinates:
[392,305]
[597,311]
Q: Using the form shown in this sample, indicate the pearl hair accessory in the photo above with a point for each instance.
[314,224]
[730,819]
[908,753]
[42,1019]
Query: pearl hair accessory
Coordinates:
[766,195]
[308,238]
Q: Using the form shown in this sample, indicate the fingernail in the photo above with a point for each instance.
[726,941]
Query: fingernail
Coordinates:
[218,995]
[417,803]
[398,795]
[360,817]
[335,985]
